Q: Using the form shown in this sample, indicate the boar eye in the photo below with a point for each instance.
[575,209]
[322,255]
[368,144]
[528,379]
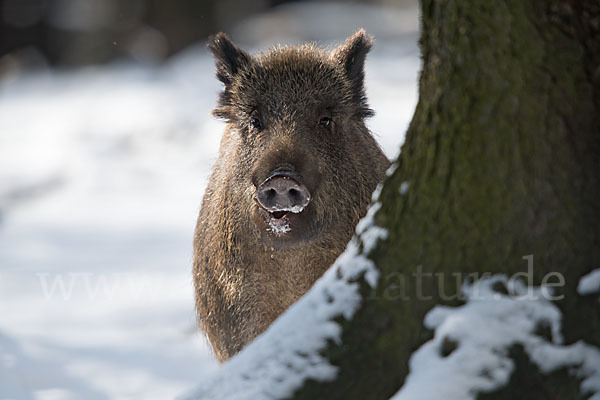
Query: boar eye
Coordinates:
[255,123]
[325,122]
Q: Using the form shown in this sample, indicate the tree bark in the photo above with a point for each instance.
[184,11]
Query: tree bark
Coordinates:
[501,161]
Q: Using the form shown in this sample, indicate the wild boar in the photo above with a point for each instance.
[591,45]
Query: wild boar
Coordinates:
[295,173]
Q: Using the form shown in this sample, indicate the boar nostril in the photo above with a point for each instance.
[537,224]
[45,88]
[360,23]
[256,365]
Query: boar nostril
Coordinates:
[282,193]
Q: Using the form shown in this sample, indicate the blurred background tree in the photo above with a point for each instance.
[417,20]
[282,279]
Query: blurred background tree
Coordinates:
[71,33]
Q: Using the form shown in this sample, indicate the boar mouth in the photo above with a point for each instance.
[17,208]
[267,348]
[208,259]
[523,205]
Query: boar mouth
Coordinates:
[280,222]
[278,214]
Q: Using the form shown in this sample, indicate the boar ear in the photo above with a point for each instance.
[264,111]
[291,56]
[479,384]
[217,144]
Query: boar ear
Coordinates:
[351,56]
[229,58]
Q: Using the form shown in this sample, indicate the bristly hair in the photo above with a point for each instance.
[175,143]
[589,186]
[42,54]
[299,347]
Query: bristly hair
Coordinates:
[349,58]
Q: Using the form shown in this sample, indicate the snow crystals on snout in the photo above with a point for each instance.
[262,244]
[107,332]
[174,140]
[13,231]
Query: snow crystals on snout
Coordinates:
[295,209]
[279,227]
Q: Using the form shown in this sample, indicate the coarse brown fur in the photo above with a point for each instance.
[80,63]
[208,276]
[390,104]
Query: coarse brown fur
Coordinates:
[277,106]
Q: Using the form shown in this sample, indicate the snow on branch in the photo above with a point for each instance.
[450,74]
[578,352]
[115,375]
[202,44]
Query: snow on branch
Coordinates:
[590,283]
[470,349]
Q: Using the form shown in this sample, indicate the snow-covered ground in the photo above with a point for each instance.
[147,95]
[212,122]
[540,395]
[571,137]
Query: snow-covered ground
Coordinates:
[101,175]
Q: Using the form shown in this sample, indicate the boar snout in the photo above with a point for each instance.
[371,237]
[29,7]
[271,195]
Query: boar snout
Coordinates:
[283,193]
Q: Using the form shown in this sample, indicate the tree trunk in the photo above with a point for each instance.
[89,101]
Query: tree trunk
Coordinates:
[501,162]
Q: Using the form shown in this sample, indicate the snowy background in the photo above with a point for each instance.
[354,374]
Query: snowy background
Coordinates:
[102,171]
